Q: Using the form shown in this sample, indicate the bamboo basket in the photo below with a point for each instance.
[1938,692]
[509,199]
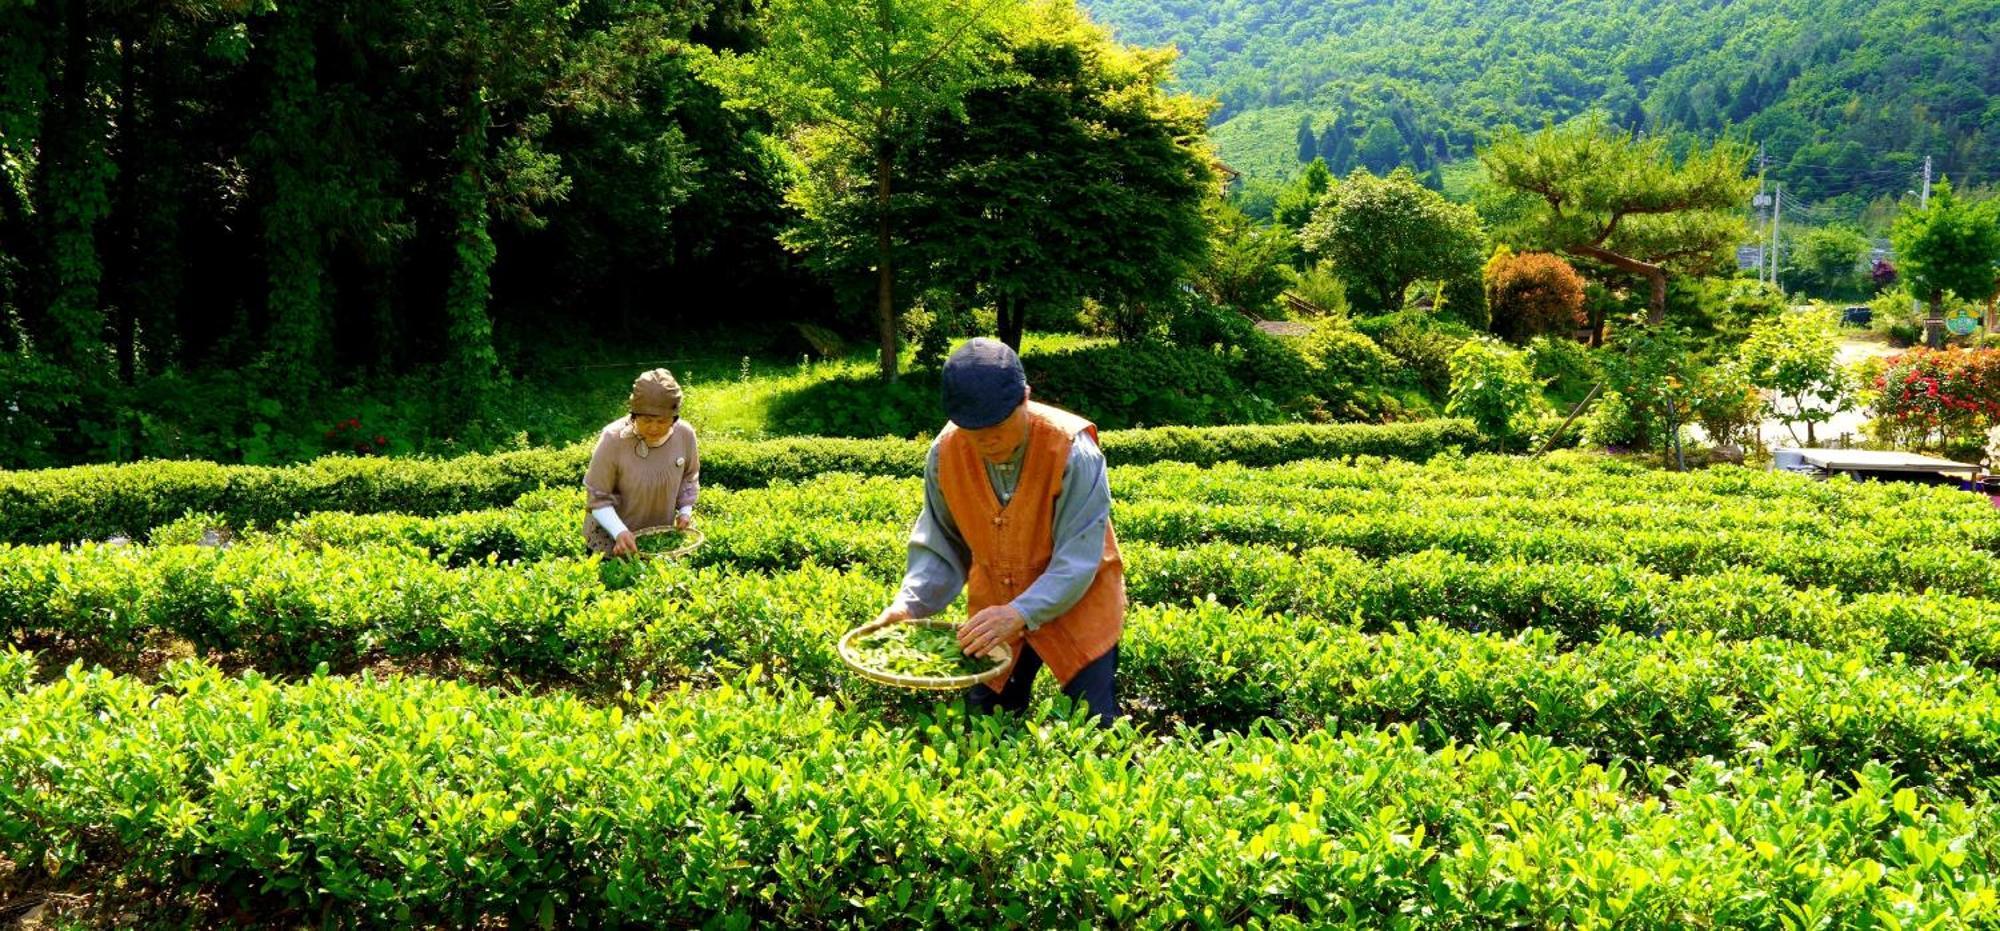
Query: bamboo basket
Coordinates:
[1000,653]
[695,539]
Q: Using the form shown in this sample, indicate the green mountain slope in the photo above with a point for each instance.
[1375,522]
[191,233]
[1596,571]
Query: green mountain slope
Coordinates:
[1847,96]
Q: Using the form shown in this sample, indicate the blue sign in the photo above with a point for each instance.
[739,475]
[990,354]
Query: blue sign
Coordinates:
[1962,325]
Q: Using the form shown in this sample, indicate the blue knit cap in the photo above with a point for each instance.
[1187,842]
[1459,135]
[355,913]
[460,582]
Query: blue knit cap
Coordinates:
[983,383]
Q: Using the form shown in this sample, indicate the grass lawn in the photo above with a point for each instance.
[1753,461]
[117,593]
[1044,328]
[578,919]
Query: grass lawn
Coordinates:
[728,393]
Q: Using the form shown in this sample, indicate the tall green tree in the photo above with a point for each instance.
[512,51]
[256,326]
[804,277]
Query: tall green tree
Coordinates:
[862,84]
[71,179]
[1949,247]
[1080,176]
[1385,234]
[1336,146]
[502,69]
[1247,261]
[1826,261]
[1296,202]
[1609,198]
[1381,148]
[300,213]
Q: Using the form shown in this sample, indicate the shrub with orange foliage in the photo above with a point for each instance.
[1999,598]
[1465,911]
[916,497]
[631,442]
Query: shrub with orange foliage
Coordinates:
[1533,293]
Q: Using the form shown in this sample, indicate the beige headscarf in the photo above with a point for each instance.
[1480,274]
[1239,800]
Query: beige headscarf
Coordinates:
[655,393]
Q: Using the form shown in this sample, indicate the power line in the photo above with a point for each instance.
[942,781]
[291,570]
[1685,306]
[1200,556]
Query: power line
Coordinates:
[1829,171]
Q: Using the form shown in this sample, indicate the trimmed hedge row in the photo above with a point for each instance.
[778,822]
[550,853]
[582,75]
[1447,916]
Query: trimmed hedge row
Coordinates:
[64,505]
[1577,602]
[1573,490]
[1574,582]
[863,521]
[853,523]
[1888,565]
[1207,665]
[416,802]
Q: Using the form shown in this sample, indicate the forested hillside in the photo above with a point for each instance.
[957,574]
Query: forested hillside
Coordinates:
[1847,96]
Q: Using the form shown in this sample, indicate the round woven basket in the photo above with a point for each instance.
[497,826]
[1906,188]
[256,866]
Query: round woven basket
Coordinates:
[1000,653]
[695,538]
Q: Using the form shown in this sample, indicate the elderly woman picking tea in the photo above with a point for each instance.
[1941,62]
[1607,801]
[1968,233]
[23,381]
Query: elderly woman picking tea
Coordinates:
[645,471]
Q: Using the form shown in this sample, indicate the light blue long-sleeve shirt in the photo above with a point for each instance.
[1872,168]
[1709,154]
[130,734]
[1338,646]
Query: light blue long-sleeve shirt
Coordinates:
[940,558]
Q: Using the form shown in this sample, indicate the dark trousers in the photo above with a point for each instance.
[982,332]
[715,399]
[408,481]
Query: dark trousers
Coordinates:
[1096,685]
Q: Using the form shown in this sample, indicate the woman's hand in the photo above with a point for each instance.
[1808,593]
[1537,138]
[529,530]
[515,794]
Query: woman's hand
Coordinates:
[995,625]
[684,522]
[627,545]
[893,614]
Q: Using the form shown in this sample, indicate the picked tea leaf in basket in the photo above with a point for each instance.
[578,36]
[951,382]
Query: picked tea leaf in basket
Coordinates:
[919,655]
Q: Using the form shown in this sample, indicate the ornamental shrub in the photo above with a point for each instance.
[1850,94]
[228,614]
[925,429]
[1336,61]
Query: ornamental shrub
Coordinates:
[1939,399]
[1492,386]
[1532,294]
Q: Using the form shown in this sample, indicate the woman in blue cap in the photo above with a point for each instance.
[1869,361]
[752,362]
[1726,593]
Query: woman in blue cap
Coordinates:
[1017,512]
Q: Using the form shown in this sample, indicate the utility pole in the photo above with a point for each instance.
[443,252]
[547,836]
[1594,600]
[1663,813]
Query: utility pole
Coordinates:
[1763,199]
[1926,201]
[1777,210]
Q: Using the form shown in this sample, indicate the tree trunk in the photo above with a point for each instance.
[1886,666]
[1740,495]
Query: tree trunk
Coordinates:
[1656,306]
[885,280]
[471,361]
[1934,322]
[69,197]
[123,270]
[1013,320]
[295,264]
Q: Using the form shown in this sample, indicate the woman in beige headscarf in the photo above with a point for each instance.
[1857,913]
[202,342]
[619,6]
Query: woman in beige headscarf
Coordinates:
[645,471]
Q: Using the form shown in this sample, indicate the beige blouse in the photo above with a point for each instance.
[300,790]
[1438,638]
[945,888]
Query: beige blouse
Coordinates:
[646,485]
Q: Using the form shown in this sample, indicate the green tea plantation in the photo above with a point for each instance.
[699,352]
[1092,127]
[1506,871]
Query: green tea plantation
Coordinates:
[1372,676]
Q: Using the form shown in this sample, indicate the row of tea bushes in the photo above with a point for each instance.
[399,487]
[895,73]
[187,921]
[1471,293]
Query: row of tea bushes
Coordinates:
[96,502]
[853,520]
[1207,665]
[418,802]
[287,602]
